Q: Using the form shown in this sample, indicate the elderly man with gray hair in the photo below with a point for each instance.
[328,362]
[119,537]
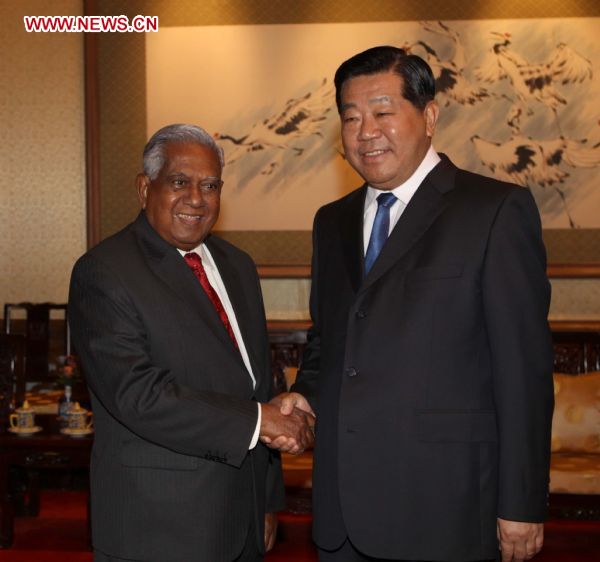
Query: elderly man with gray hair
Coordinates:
[169,324]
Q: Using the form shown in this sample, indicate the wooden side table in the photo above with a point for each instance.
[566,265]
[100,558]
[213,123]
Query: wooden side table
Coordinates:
[48,449]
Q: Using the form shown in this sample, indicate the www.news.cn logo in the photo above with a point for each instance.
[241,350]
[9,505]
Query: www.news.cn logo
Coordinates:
[94,24]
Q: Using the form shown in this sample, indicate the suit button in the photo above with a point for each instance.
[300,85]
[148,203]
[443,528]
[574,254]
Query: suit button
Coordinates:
[361,313]
[351,372]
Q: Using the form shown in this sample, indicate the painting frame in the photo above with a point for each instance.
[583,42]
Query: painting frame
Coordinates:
[106,118]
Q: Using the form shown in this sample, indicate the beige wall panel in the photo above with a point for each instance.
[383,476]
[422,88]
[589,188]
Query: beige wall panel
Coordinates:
[575,299]
[286,299]
[42,186]
[572,299]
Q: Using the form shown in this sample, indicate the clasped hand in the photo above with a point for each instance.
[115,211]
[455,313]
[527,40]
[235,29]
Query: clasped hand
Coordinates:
[287,423]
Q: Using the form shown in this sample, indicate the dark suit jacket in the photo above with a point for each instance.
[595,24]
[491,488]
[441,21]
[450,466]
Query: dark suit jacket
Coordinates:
[431,377]
[174,408]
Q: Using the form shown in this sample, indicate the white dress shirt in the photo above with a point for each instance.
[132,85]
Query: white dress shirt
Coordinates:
[214,278]
[403,193]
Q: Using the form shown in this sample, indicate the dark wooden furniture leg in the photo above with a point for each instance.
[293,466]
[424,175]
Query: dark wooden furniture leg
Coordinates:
[6,506]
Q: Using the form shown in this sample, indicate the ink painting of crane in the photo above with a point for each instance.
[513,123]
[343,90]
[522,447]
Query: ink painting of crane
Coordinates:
[535,82]
[451,83]
[518,100]
[538,164]
[292,131]
[524,96]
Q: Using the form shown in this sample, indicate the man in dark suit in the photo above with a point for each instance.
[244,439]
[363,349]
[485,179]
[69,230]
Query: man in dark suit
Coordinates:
[429,359]
[169,324]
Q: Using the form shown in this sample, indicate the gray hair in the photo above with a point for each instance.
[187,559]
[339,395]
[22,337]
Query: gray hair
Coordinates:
[154,154]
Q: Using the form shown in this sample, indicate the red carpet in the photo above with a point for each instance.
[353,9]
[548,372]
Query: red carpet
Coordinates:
[571,541]
[59,534]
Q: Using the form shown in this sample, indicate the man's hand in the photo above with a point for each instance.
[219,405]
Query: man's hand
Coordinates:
[270,530]
[291,433]
[518,540]
[287,401]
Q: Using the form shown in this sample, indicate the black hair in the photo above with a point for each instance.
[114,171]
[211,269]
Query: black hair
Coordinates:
[417,78]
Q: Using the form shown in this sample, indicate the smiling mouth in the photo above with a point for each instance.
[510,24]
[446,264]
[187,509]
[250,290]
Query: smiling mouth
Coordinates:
[373,153]
[189,218]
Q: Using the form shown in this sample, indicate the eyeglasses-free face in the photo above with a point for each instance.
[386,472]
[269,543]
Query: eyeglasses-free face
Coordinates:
[182,203]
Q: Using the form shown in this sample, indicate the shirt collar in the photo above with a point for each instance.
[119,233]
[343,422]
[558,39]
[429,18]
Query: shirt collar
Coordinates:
[202,251]
[405,191]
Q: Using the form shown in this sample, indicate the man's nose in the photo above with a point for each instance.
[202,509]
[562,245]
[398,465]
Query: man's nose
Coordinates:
[368,128]
[195,196]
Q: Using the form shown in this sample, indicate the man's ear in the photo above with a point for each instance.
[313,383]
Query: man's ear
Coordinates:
[142,184]
[431,114]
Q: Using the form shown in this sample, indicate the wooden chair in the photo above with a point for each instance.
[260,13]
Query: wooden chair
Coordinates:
[42,344]
[287,345]
[576,352]
[24,485]
[12,374]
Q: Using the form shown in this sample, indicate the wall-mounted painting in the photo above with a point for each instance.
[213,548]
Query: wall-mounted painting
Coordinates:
[519,101]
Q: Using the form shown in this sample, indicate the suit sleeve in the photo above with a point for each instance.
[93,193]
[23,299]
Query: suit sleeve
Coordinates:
[516,296]
[112,342]
[306,380]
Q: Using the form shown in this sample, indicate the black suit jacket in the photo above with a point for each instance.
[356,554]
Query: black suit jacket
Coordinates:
[174,407]
[431,376]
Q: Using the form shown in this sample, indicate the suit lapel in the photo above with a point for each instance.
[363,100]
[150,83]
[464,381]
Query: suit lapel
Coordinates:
[425,206]
[351,226]
[235,291]
[169,266]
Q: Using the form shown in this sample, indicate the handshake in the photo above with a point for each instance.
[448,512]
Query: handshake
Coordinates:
[288,423]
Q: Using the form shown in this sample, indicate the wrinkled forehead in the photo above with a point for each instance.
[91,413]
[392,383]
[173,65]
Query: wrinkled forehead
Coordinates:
[187,157]
[371,89]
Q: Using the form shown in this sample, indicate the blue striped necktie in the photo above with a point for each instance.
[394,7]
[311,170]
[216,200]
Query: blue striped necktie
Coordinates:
[381,229]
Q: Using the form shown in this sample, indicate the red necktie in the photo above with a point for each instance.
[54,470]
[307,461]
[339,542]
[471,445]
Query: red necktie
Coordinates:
[195,262]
